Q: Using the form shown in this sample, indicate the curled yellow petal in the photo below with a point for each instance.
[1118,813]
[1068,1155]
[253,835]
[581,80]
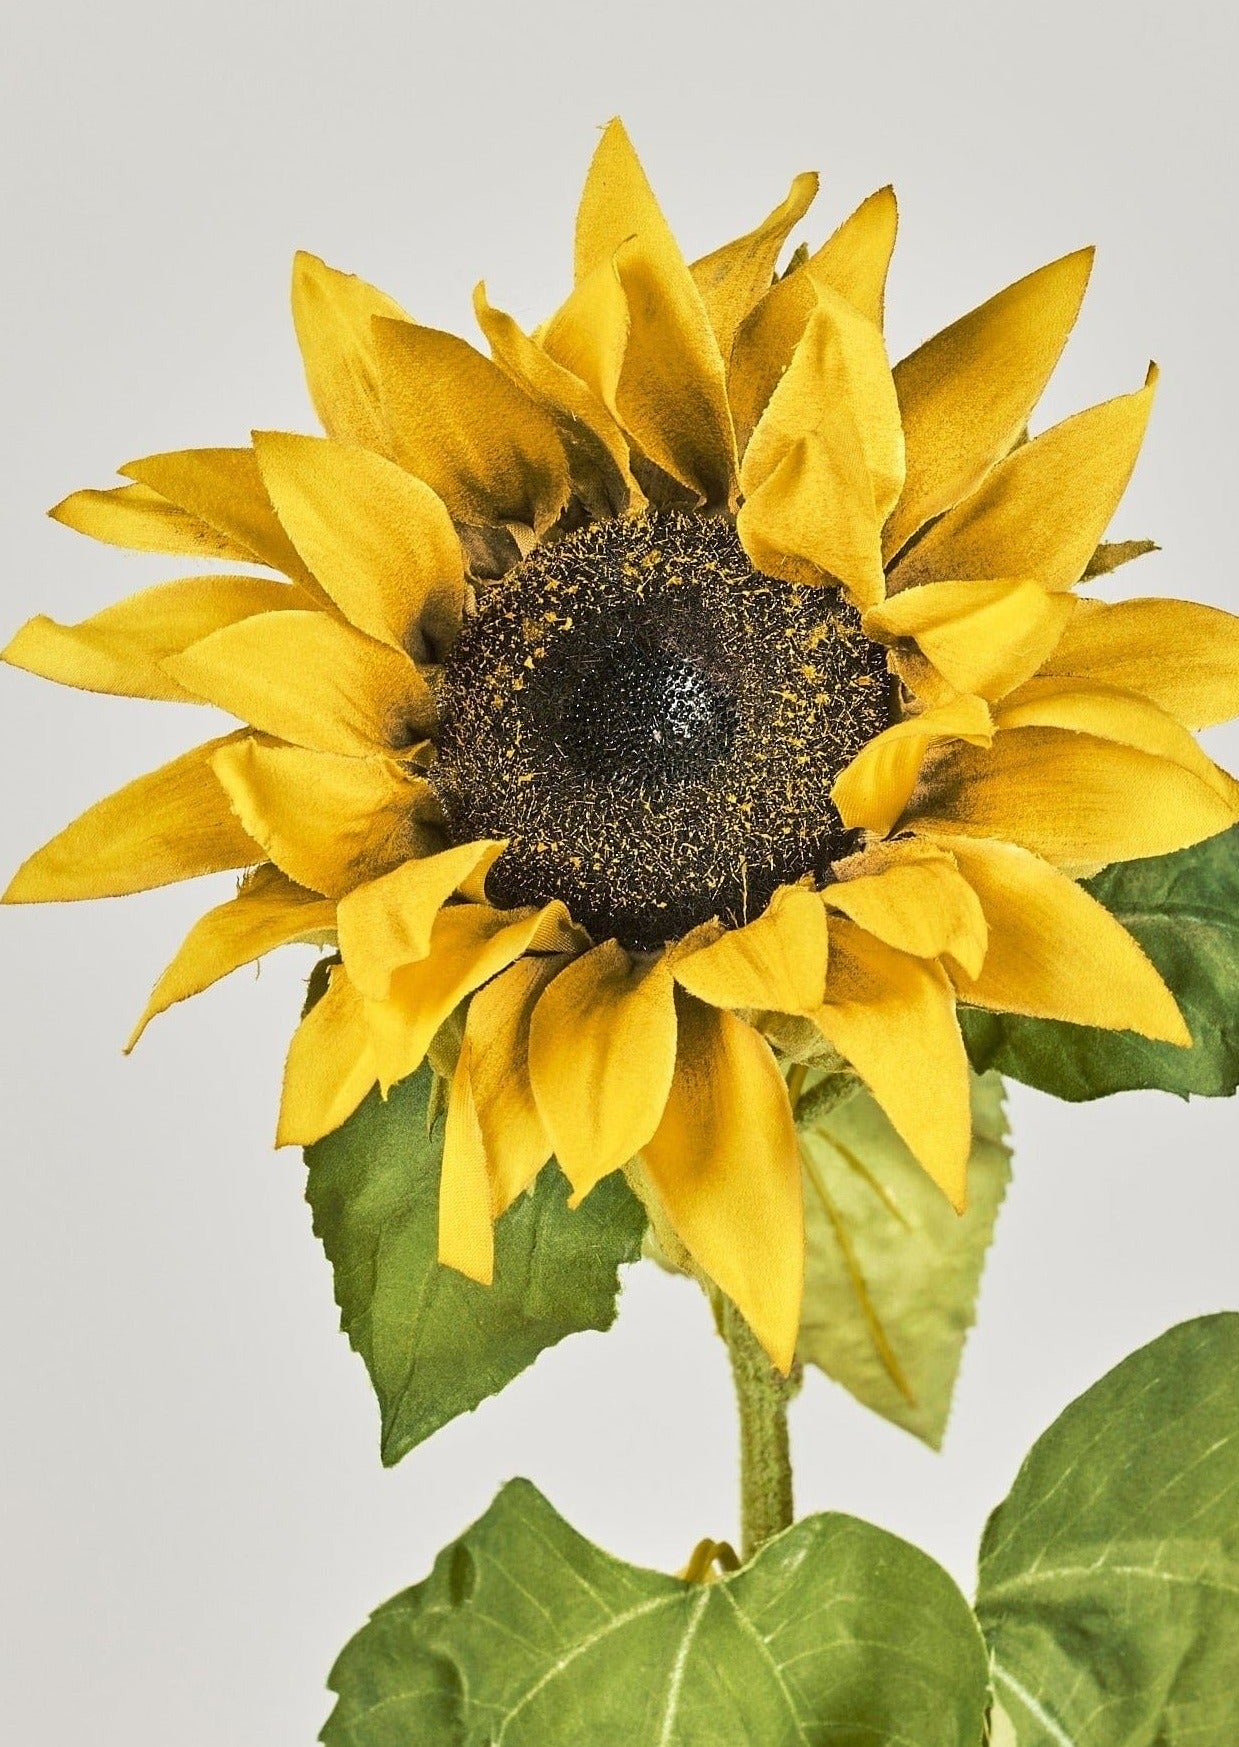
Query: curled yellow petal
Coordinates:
[913,897]
[982,637]
[875,788]
[777,962]
[497,1032]
[139,519]
[224,488]
[330,1066]
[466,1227]
[811,521]
[732,279]
[588,334]
[725,1165]
[387,922]
[1182,655]
[332,313]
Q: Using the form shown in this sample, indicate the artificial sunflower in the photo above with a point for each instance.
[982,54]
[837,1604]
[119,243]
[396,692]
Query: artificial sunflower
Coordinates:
[675,700]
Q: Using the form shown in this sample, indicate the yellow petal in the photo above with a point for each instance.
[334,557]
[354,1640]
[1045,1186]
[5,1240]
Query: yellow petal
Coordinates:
[853,263]
[1041,512]
[893,1018]
[330,1066]
[876,787]
[329,821]
[139,519]
[1055,952]
[225,489]
[497,1032]
[466,1229]
[469,944]
[733,278]
[966,394]
[588,334]
[388,922]
[777,962]
[171,825]
[379,541]
[811,521]
[672,392]
[983,637]
[1069,797]
[1183,656]
[457,422]
[309,679]
[593,441]
[913,897]
[267,912]
[332,313]
[601,1054]
[726,1167]
[121,649]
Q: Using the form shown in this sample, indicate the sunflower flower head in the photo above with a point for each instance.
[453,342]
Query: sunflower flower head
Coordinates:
[656,709]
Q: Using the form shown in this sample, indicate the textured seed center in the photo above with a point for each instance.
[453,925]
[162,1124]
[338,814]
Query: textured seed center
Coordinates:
[654,726]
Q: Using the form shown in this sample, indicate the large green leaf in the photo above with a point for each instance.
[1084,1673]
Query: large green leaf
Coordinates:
[1109,1588]
[526,1635]
[435,1343]
[1184,911]
[892,1271]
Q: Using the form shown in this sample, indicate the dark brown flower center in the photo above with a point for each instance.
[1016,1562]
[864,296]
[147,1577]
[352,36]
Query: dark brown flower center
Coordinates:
[654,726]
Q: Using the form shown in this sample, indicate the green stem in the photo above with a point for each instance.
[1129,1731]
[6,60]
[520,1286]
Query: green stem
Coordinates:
[765,1458]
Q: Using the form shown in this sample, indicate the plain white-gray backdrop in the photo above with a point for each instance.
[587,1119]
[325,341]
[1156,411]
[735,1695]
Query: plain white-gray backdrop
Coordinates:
[195,1515]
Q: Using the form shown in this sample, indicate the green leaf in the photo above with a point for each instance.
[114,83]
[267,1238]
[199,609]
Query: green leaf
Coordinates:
[892,1271]
[1184,911]
[525,1635]
[1109,1587]
[436,1344]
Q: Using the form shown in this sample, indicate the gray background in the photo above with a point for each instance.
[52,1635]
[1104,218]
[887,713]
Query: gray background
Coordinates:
[195,1516]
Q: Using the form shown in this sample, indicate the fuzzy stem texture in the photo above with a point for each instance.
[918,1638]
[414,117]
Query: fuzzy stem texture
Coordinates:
[765,1457]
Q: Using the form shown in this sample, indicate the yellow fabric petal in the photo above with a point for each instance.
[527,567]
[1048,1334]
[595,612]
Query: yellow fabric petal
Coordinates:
[329,822]
[330,1066]
[309,679]
[777,962]
[966,394]
[725,1165]
[1071,798]
[982,637]
[171,825]
[601,1055]
[893,1018]
[457,422]
[121,649]
[379,541]
[332,313]
[811,521]
[469,944]
[588,334]
[1041,512]
[593,441]
[1182,655]
[913,897]
[853,263]
[387,923]
[497,1032]
[268,911]
[139,519]
[466,1228]
[875,788]
[733,278]
[224,488]
[1055,952]
[672,393]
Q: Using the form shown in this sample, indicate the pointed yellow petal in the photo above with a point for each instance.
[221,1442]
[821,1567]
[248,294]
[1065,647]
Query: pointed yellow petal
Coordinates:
[913,897]
[601,1054]
[466,1229]
[330,1066]
[876,787]
[121,649]
[726,1167]
[309,679]
[1071,798]
[966,394]
[1055,952]
[811,521]
[268,911]
[733,278]
[588,334]
[1041,512]
[457,422]
[379,541]
[171,825]
[893,1018]
[777,962]
[497,1031]
[983,637]
[1183,656]
[332,313]
[672,392]
[330,822]
[387,923]
[224,488]
[139,519]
